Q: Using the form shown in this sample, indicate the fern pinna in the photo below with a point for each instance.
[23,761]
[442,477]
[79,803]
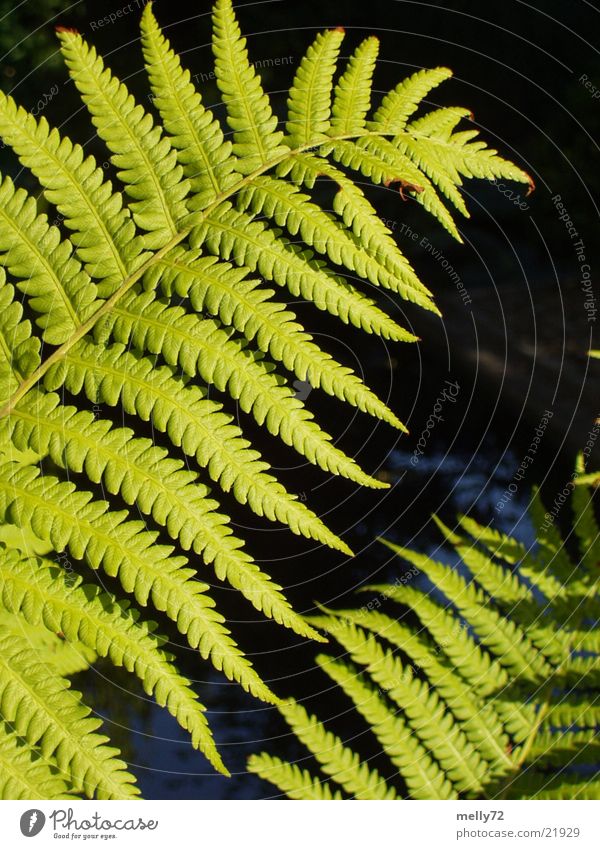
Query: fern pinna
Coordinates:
[144,295]
[481,681]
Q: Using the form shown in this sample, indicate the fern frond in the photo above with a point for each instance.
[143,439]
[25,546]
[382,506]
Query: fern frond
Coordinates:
[399,104]
[19,350]
[438,169]
[192,215]
[59,291]
[204,348]
[504,637]
[192,422]
[336,760]
[24,774]
[515,554]
[424,710]
[450,709]
[43,595]
[423,775]
[309,101]
[471,661]
[102,228]
[580,712]
[503,585]
[296,783]
[147,162]
[356,212]
[381,162]
[194,132]
[479,721]
[124,549]
[549,540]
[439,123]
[66,658]
[567,787]
[352,97]
[41,706]
[247,242]
[460,155]
[222,291]
[143,474]
[289,208]
[256,140]
[573,749]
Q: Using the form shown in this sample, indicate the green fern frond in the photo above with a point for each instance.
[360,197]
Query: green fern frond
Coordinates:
[380,161]
[220,290]
[549,540]
[309,102]
[202,348]
[59,292]
[256,140]
[84,614]
[289,208]
[193,423]
[294,782]
[479,721]
[513,553]
[205,348]
[424,710]
[124,549]
[336,759]
[102,228]
[248,242]
[352,96]
[26,775]
[399,104]
[203,152]
[503,636]
[356,212]
[439,123]
[147,162]
[19,349]
[567,787]
[143,474]
[423,775]
[461,713]
[66,657]
[102,268]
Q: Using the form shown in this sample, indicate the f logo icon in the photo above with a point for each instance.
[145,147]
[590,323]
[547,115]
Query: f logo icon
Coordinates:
[32,822]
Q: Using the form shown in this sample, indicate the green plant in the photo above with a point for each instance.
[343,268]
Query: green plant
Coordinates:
[478,685]
[142,300]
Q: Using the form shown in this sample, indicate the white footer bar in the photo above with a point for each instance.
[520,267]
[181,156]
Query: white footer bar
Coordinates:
[302,825]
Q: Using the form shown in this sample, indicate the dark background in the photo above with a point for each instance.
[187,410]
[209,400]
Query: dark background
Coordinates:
[519,349]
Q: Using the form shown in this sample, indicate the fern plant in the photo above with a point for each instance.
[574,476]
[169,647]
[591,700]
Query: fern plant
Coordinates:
[143,296]
[479,682]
